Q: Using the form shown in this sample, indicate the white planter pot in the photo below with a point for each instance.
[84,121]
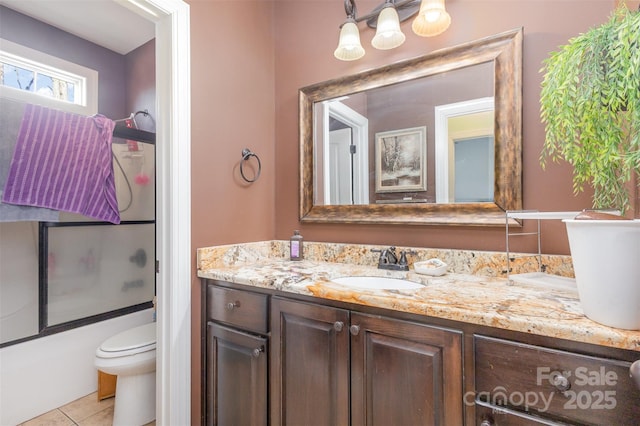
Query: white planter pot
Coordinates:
[606,261]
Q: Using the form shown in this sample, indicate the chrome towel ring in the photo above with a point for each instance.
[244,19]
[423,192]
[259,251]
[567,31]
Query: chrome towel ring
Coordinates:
[246,155]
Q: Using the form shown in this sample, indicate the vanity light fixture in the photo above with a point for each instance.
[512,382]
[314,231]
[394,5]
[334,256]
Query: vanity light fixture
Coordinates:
[432,20]
[349,47]
[388,32]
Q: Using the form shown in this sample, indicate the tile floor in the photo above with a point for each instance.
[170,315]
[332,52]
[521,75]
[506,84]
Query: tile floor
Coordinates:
[86,411]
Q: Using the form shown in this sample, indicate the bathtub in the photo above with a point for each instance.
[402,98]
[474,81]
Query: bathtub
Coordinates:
[60,366]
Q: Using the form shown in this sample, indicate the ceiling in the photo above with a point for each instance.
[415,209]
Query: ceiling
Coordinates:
[103,22]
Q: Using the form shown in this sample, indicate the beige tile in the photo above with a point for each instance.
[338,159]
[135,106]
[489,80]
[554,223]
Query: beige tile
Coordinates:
[85,407]
[101,418]
[52,418]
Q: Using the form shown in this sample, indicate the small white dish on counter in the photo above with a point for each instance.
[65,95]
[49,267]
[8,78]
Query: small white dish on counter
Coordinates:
[435,267]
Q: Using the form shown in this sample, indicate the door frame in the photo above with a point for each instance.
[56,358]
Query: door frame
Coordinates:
[444,145]
[173,205]
[360,138]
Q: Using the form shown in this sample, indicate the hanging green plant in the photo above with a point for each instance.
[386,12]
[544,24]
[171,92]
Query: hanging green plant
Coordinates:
[590,105]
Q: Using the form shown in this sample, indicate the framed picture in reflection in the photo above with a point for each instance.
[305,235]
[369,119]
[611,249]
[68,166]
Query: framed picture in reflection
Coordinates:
[401,160]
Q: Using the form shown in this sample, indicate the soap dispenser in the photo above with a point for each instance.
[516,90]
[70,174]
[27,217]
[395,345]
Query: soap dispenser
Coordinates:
[295,246]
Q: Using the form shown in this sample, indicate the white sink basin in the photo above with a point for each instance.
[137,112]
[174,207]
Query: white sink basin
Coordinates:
[377,283]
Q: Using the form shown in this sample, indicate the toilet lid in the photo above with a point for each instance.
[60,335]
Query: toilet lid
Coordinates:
[138,337]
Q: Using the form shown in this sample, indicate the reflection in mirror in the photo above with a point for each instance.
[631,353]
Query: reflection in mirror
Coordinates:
[357,142]
[435,139]
[465,151]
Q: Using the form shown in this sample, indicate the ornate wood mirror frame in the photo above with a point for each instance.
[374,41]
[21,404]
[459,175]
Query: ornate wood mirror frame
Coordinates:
[505,51]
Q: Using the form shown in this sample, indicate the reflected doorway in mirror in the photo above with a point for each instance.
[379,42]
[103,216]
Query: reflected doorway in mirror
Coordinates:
[346,144]
[464,150]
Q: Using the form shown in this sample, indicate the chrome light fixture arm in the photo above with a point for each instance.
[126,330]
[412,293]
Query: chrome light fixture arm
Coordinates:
[405,8]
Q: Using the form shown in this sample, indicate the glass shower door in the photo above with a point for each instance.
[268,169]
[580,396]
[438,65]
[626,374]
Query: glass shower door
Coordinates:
[96,269]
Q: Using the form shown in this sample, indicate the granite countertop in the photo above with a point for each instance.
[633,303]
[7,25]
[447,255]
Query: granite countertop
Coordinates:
[467,297]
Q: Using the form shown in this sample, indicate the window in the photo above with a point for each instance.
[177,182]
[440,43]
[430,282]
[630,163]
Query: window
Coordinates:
[36,77]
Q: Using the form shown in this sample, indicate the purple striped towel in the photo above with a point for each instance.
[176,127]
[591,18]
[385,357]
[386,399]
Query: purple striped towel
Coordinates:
[62,161]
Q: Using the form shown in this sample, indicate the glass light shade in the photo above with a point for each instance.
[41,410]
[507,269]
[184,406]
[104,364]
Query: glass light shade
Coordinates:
[432,19]
[349,47]
[388,34]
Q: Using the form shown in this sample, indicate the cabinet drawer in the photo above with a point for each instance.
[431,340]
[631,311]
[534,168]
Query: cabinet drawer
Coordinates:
[242,309]
[555,384]
[487,415]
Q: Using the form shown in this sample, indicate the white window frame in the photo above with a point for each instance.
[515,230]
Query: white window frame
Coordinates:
[86,79]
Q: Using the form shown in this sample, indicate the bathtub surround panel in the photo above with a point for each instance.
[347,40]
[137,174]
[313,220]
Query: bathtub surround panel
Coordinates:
[474,291]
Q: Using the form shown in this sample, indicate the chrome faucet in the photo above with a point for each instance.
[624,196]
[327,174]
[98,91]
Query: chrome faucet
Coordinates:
[390,260]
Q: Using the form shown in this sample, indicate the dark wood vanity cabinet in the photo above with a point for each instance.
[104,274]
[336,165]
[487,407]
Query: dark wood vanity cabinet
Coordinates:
[522,384]
[331,366]
[280,360]
[235,357]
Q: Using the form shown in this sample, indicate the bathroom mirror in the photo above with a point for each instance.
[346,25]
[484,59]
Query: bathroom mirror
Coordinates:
[394,145]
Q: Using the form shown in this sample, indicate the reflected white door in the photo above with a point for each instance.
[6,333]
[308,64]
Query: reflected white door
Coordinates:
[474,169]
[346,180]
[340,169]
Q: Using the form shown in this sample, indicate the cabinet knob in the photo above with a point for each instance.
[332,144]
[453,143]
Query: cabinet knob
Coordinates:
[487,422]
[338,326]
[232,305]
[561,382]
[256,352]
[354,330]
[634,372]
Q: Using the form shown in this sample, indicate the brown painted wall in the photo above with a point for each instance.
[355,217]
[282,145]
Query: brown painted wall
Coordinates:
[233,107]
[307,34]
[249,58]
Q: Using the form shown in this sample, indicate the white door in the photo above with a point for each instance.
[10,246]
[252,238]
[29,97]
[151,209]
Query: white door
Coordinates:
[340,168]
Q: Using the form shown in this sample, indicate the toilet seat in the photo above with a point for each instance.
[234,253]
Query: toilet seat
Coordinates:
[129,342]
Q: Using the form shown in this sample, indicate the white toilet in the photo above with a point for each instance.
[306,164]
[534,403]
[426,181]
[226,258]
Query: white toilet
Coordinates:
[131,355]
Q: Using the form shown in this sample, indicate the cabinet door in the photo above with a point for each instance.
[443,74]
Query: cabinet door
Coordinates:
[309,376]
[236,377]
[404,373]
